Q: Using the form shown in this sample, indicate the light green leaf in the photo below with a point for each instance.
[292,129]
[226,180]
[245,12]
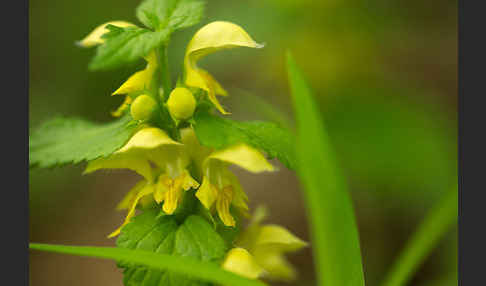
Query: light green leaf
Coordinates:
[195,238]
[216,132]
[333,227]
[172,14]
[428,233]
[177,264]
[72,140]
[124,45]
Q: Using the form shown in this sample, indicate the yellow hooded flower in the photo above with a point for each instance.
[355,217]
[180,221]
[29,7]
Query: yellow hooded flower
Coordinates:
[220,187]
[139,81]
[267,245]
[213,37]
[165,182]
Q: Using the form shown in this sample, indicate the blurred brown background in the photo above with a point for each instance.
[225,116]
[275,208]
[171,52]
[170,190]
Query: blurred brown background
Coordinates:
[385,76]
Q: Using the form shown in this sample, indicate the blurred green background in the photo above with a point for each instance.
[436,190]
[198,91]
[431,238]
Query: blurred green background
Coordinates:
[385,73]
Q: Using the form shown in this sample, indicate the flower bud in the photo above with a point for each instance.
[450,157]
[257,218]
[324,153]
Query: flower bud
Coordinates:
[181,103]
[142,107]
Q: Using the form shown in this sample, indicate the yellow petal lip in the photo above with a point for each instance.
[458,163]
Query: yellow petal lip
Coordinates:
[124,106]
[140,80]
[148,138]
[146,190]
[94,38]
[240,261]
[243,156]
[206,193]
[280,238]
[130,196]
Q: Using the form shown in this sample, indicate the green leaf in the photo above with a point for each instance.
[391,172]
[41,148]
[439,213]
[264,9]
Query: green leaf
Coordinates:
[125,46]
[195,238]
[216,132]
[181,265]
[333,227]
[72,140]
[172,14]
[427,235]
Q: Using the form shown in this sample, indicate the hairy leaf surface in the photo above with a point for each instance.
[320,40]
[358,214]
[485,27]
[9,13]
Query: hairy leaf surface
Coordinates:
[194,238]
[172,14]
[72,140]
[124,45]
[216,132]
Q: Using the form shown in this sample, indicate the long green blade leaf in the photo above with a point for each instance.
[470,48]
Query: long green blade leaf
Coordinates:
[204,271]
[333,227]
[428,233]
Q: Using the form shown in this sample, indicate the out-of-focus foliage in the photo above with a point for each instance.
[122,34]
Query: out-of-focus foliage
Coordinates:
[384,73]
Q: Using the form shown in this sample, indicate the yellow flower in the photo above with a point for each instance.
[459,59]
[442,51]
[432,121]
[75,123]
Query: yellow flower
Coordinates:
[267,245]
[95,37]
[220,187]
[213,37]
[165,182]
[139,81]
[240,261]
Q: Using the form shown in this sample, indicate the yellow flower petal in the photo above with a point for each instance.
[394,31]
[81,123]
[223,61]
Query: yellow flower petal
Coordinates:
[194,149]
[244,156]
[223,202]
[172,197]
[130,196]
[94,38]
[148,189]
[213,37]
[147,138]
[207,193]
[188,182]
[140,80]
[275,265]
[239,261]
[124,106]
[160,189]
[122,161]
[280,238]
[240,199]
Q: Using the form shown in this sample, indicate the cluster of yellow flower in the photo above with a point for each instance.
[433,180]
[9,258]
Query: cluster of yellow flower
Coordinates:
[164,163]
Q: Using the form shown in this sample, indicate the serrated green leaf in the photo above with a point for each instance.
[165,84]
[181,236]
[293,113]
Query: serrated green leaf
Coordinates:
[216,132]
[172,14]
[333,226]
[194,238]
[182,265]
[72,140]
[125,46]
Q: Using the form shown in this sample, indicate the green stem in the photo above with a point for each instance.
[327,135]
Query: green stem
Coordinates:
[432,228]
[164,71]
